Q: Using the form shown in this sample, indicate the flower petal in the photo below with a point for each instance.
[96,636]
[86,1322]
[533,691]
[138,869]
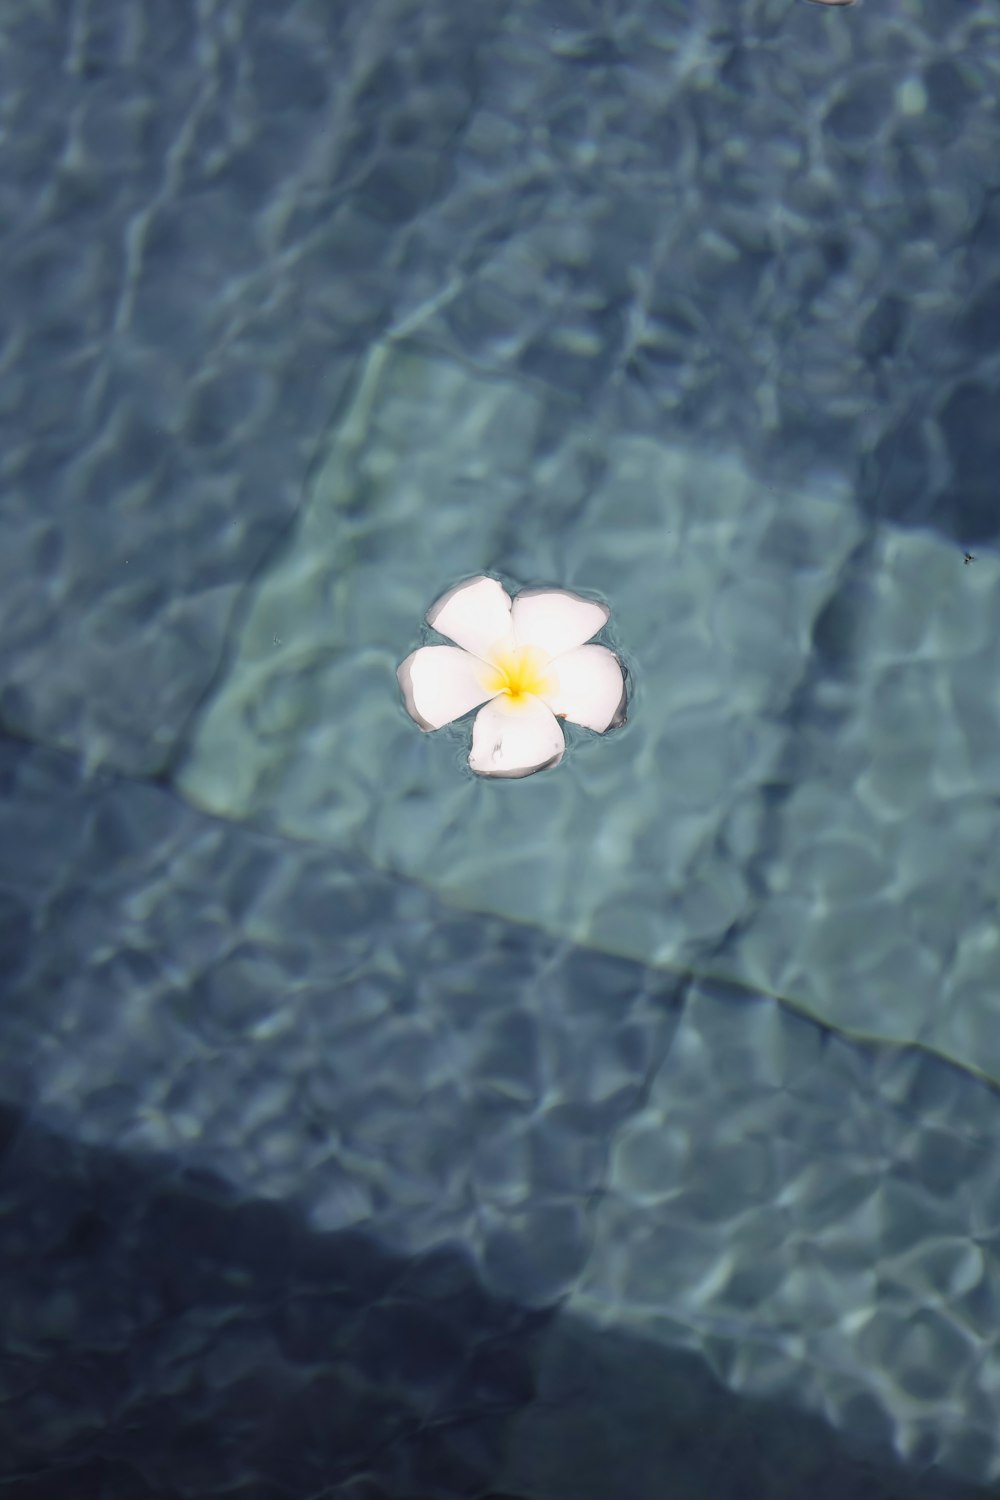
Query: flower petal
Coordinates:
[590,688]
[476,615]
[515,739]
[441,683]
[555,619]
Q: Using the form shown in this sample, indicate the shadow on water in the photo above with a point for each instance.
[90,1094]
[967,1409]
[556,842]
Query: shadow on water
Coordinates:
[165,1337]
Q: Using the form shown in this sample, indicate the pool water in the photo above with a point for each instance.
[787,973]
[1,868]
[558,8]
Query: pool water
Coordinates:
[369,1128]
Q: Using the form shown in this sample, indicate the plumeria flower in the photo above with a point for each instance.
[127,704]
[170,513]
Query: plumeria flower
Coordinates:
[524,664]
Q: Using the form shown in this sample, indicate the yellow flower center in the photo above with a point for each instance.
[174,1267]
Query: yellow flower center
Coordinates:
[519,673]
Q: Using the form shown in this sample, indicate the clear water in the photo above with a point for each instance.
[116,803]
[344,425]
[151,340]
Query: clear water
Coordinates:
[372,1129]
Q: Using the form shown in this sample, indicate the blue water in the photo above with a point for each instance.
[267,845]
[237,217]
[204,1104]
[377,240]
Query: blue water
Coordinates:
[371,1130]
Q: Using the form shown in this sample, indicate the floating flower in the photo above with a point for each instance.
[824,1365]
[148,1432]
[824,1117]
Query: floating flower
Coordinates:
[524,664]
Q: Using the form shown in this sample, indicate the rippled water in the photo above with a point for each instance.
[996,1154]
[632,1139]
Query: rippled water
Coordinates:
[371,1129]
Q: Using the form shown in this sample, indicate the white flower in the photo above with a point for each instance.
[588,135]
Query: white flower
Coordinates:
[526,661]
